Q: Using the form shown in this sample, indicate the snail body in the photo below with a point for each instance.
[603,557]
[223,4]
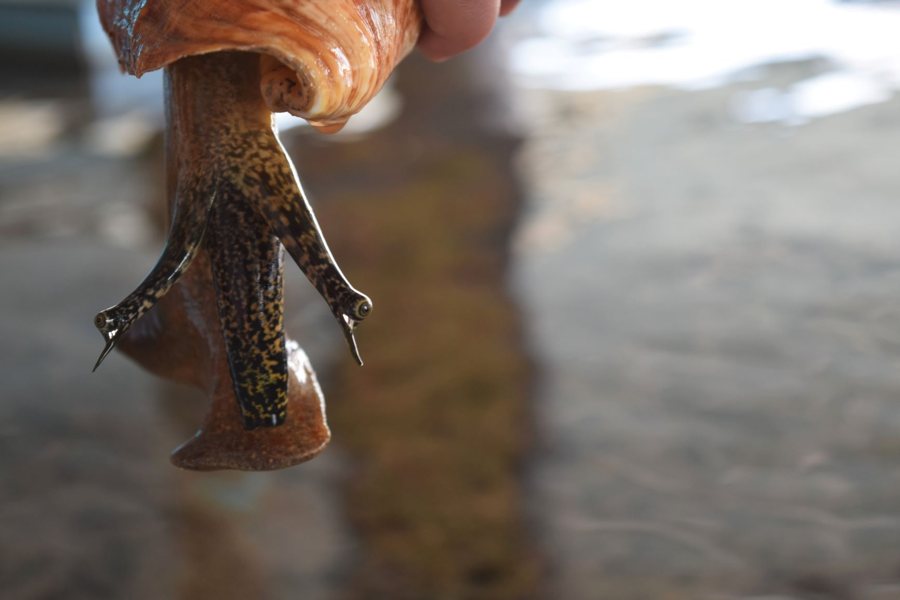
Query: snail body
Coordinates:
[211,311]
[247,272]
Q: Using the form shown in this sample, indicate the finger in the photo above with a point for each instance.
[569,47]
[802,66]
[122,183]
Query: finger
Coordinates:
[453,27]
[507,6]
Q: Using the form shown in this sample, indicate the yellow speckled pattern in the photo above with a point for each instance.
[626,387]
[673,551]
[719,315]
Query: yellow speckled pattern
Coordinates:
[269,179]
[247,271]
[250,200]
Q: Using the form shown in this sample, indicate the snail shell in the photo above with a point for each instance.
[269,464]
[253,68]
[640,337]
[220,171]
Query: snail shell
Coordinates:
[324,59]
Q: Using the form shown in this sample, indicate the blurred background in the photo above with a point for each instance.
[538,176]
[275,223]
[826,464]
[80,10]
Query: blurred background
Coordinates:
[636,272]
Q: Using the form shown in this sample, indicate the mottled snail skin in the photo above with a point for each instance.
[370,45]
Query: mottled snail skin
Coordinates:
[254,200]
[181,338]
[247,270]
[228,65]
[192,207]
[269,179]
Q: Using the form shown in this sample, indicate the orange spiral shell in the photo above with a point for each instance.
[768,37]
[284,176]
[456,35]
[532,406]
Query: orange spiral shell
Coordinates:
[324,59]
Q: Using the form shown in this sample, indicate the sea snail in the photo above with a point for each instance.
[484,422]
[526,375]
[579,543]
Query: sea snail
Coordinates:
[214,299]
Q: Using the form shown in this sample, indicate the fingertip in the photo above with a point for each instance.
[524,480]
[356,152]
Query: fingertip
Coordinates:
[434,48]
[507,6]
[454,27]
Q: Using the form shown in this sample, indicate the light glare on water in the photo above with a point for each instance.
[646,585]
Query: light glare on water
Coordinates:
[696,44]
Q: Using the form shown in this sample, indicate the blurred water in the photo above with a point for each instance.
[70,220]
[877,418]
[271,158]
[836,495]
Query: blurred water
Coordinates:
[712,296]
[710,325]
[599,44]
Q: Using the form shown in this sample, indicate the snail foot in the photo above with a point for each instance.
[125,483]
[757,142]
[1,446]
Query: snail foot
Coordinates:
[223,442]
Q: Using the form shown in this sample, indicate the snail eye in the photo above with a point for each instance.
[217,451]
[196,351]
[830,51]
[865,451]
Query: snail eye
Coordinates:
[363,308]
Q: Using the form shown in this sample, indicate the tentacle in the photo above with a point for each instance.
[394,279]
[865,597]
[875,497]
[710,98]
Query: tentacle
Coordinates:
[189,220]
[248,272]
[269,180]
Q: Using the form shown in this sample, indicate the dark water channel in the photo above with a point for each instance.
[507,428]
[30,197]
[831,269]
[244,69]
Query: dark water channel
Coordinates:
[437,422]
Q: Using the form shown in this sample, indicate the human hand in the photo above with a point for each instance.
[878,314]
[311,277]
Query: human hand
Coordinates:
[454,26]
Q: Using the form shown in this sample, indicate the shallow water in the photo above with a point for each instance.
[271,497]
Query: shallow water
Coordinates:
[634,337]
[710,290]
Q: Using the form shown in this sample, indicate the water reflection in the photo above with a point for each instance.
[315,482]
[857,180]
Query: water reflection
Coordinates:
[713,299]
[599,44]
[436,422]
[29,129]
